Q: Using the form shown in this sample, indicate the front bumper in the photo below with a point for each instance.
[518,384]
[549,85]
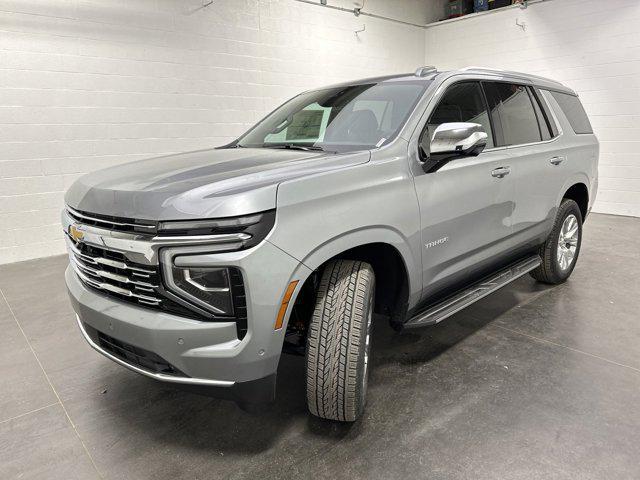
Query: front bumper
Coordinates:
[207,354]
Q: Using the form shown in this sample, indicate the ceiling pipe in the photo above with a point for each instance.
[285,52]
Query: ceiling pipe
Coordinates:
[358,11]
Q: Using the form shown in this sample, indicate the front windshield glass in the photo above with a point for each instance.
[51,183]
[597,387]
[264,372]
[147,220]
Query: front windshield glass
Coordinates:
[342,119]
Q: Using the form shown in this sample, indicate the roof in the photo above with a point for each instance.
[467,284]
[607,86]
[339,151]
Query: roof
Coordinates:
[429,73]
[536,79]
[386,78]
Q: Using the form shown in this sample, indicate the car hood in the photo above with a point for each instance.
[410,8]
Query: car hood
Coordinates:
[201,184]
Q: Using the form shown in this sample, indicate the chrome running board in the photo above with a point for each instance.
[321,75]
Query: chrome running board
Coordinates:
[453,304]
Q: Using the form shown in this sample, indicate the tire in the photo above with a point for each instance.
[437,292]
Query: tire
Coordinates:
[338,341]
[552,270]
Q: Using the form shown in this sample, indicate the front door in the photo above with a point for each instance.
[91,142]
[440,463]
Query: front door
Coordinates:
[466,205]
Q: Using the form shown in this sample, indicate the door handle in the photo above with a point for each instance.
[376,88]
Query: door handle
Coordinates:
[501,172]
[556,160]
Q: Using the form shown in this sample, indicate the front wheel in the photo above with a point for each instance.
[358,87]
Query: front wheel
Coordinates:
[338,341]
[560,252]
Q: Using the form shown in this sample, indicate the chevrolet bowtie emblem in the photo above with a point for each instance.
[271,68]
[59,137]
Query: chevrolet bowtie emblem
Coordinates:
[76,233]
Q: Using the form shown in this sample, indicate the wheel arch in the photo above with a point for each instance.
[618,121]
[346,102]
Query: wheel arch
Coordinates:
[398,280]
[579,192]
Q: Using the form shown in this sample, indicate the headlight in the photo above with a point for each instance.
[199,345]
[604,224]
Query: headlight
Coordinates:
[209,288]
[216,291]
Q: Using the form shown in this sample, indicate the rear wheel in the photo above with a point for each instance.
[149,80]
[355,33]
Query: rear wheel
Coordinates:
[338,341]
[560,252]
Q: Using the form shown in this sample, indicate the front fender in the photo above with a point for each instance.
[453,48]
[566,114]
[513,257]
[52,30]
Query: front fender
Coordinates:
[322,215]
[363,236]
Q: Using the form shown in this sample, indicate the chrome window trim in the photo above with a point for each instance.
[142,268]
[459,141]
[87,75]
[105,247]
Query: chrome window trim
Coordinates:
[156,376]
[493,149]
[510,147]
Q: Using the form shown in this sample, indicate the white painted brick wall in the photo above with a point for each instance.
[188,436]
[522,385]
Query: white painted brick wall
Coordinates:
[86,84]
[591,45]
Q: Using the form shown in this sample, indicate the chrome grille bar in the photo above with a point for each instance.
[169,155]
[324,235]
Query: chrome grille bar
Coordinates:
[114,288]
[113,276]
[107,261]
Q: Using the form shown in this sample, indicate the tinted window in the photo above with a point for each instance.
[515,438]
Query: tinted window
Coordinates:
[511,108]
[463,102]
[574,112]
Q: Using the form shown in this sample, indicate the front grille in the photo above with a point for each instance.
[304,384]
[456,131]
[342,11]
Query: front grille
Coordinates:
[133,355]
[112,274]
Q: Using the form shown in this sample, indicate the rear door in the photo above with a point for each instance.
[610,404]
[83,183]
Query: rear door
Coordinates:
[465,206]
[537,170]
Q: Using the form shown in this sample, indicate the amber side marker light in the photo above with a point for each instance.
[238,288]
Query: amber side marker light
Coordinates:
[285,303]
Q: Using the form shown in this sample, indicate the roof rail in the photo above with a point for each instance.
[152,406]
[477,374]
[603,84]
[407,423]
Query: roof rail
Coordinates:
[426,70]
[512,73]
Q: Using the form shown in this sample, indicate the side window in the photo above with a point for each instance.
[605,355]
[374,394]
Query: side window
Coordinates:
[574,111]
[511,108]
[462,102]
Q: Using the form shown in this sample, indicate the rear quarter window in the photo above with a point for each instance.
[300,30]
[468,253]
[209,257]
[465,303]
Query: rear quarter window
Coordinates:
[574,111]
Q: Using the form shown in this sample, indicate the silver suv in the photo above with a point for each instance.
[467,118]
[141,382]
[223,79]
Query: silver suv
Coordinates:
[410,196]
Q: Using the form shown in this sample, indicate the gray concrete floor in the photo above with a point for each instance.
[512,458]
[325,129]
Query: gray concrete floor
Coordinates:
[531,382]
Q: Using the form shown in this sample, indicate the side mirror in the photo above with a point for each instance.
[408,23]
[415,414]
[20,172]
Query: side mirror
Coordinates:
[458,138]
[451,140]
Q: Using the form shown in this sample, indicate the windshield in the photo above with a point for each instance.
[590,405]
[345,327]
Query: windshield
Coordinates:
[340,119]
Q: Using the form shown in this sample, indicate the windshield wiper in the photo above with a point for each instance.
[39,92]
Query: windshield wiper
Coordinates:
[293,146]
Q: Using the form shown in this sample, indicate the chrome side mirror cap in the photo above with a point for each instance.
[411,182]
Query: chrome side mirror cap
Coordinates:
[459,138]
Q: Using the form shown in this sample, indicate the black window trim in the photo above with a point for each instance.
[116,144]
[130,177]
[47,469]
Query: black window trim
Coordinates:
[486,107]
[484,93]
[546,112]
[535,112]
